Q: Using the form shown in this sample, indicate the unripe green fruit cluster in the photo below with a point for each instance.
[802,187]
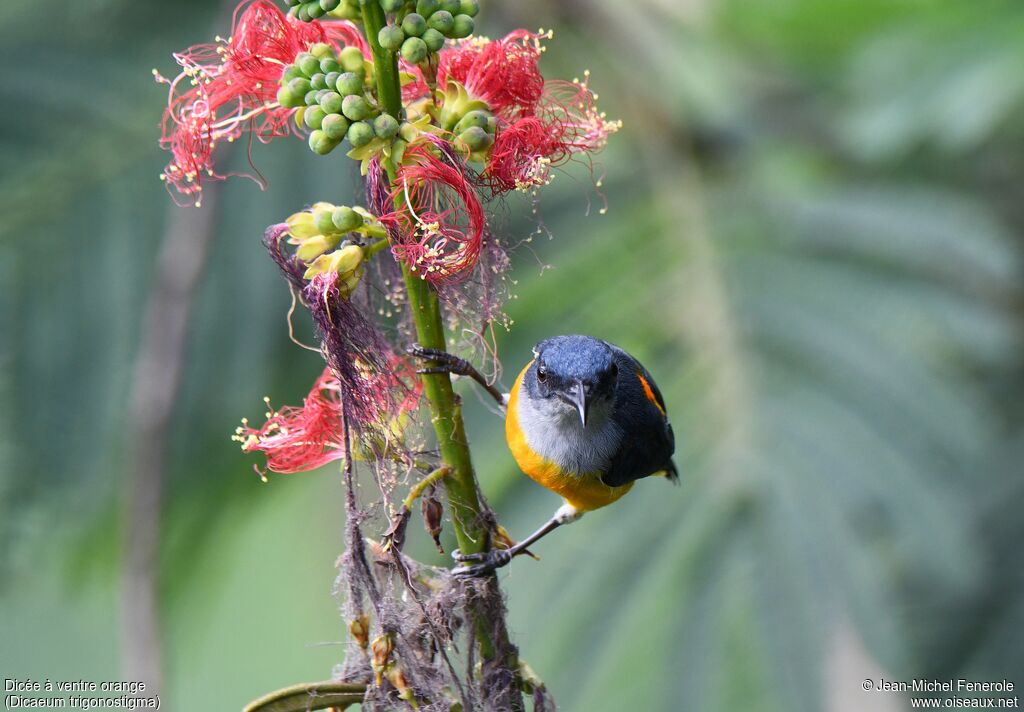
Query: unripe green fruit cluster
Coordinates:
[476,130]
[329,91]
[424,31]
[307,10]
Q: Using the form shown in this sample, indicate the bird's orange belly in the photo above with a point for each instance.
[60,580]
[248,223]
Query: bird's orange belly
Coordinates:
[584,491]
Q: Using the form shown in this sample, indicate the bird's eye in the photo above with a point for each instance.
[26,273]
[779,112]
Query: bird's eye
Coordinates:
[615,370]
[542,374]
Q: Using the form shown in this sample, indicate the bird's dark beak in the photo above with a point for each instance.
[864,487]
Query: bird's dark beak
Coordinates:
[579,399]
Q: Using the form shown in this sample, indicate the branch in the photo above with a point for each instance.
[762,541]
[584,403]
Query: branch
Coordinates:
[309,696]
[446,414]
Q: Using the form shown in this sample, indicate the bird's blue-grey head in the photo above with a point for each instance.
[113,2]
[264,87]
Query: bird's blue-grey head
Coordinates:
[573,375]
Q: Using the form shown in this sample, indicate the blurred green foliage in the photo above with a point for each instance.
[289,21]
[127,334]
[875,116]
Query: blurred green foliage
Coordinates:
[814,243]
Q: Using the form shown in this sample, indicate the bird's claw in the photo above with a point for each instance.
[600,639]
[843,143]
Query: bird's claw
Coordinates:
[446,362]
[488,562]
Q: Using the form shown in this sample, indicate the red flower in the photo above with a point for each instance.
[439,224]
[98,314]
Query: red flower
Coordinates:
[541,124]
[565,123]
[439,226]
[230,87]
[502,72]
[301,439]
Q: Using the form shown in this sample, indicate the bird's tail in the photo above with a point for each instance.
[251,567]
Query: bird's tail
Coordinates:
[672,473]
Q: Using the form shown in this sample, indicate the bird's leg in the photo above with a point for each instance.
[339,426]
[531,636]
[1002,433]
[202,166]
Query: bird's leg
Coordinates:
[445,362]
[488,561]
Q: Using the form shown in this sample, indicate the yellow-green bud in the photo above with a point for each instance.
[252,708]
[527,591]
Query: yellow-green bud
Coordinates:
[442,21]
[359,134]
[309,64]
[433,39]
[343,262]
[476,138]
[329,5]
[414,25]
[318,81]
[349,84]
[385,126]
[391,37]
[322,220]
[287,98]
[391,5]
[351,59]
[320,143]
[356,108]
[301,225]
[469,7]
[463,26]
[345,219]
[331,102]
[321,50]
[299,86]
[414,50]
[314,116]
[477,117]
[452,6]
[335,126]
[314,9]
[427,7]
[312,247]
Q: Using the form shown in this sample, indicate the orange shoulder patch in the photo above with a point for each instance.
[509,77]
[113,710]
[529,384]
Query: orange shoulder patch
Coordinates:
[649,392]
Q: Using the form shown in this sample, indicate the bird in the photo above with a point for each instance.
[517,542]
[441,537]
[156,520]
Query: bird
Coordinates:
[584,419]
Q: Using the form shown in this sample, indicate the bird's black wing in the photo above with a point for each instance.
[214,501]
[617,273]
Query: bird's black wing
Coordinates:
[647,438]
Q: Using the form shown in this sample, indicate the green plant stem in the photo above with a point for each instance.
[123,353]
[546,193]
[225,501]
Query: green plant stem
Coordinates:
[309,696]
[446,413]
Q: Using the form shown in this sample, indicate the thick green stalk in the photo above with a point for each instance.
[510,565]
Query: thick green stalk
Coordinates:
[445,411]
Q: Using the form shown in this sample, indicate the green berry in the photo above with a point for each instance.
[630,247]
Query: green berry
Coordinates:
[313,117]
[314,9]
[433,39]
[385,126]
[427,7]
[355,107]
[303,13]
[299,86]
[414,25]
[321,50]
[318,81]
[291,72]
[442,21]
[351,59]
[335,126]
[476,138]
[346,219]
[391,37]
[452,6]
[349,83]
[469,7]
[310,97]
[322,220]
[463,26]
[329,5]
[391,5]
[319,95]
[332,80]
[329,64]
[414,50]
[309,64]
[321,143]
[287,98]
[477,117]
[292,3]
[359,134]
[331,102]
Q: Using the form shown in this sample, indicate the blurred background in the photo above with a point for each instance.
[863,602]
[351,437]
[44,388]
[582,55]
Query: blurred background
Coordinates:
[814,241]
